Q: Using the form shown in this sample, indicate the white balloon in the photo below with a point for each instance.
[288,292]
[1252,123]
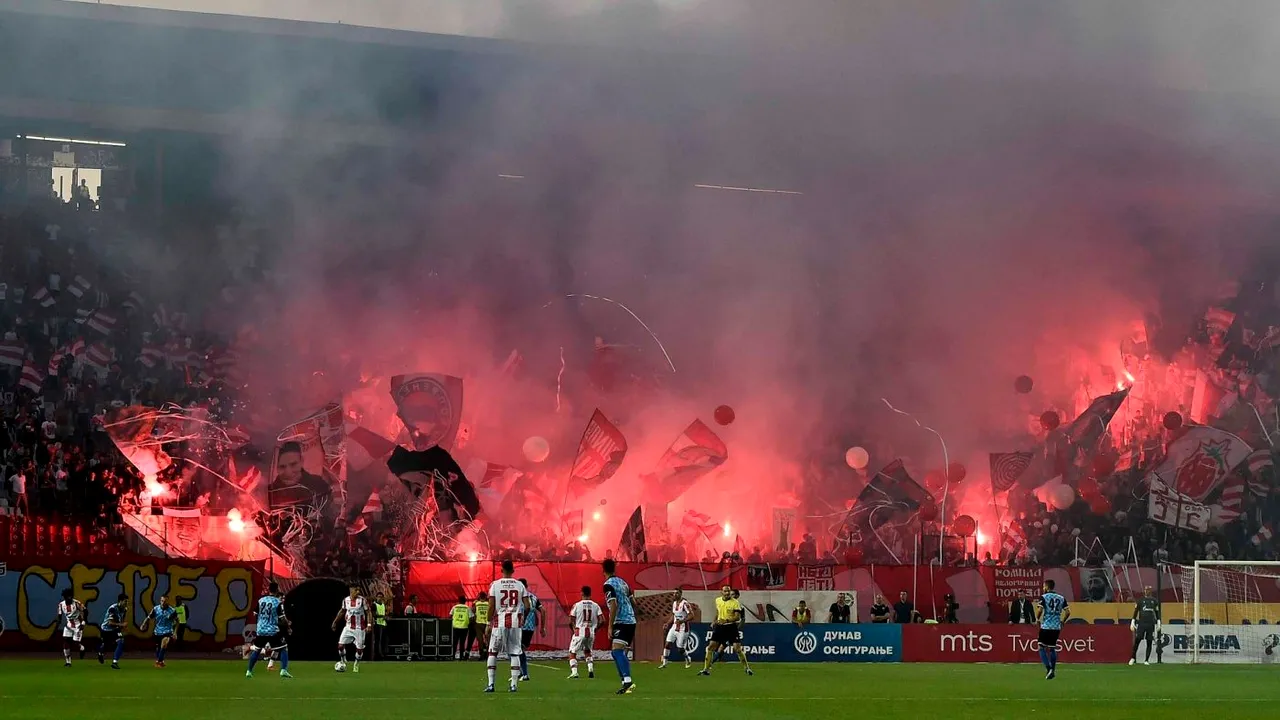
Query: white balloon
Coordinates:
[1062,497]
[536,449]
[1053,528]
[1037,524]
[1122,516]
[1075,532]
[857,457]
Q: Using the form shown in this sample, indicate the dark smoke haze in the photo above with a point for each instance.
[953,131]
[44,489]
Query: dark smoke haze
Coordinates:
[989,189]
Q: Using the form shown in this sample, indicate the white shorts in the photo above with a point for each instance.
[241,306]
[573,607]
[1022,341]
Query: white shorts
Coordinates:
[76,634]
[679,637]
[582,642]
[505,641]
[352,636]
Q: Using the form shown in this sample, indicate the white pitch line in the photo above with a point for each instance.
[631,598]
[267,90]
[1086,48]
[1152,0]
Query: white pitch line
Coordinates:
[766,191]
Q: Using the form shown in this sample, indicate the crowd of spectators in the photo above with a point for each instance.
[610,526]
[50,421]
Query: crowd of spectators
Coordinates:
[79,337]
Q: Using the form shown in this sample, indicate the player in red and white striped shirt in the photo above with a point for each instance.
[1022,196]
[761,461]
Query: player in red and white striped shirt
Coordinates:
[71,612]
[354,617]
[678,634]
[586,618]
[510,603]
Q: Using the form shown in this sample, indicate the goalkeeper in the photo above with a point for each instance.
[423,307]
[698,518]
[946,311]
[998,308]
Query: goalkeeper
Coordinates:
[1145,624]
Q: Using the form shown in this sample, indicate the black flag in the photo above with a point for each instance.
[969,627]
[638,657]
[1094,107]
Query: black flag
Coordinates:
[632,542]
[436,470]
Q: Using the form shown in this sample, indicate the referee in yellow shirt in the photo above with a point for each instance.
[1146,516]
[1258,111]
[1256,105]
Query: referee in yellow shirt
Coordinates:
[724,631]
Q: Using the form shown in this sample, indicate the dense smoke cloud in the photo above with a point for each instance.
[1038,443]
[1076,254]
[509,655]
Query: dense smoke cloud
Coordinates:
[986,192]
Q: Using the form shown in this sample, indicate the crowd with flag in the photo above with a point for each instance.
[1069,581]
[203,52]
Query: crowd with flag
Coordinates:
[79,339]
[1164,451]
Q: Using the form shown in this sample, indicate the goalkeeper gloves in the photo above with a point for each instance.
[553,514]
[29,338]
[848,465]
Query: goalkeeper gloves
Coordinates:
[1133,626]
[1158,627]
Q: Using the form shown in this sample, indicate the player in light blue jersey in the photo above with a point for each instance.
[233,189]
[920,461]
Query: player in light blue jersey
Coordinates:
[112,631]
[165,617]
[534,620]
[622,622]
[1053,612]
[270,631]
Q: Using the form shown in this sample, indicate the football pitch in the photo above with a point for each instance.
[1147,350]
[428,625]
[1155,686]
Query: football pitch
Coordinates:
[198,689]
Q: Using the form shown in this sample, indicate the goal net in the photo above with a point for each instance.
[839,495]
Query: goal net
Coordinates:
[1231,608]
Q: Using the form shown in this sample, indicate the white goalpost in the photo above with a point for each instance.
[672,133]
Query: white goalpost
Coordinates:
[1230,620]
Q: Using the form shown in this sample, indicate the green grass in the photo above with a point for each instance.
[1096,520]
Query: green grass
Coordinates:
[194,690]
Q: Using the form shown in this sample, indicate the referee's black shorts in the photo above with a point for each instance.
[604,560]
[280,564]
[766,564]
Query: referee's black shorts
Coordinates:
[726,634]
[1049,638]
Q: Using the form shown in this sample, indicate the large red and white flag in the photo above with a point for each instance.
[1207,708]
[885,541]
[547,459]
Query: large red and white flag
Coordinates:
[372,505]
[1198,462]
[600,454]
[55,360]
[699,524]
[99,356]
[151,356]
[249,481]
[79,286]
[12,353]
[31,379]
[102,322]
[696,452]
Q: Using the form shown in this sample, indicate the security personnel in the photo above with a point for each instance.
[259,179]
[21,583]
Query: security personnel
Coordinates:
[801,615]
[181,607]
[480,625]
[462,617]
[379,625]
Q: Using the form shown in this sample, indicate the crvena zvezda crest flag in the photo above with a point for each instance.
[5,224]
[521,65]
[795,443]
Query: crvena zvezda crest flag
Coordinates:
[695,453]
[1199,461]
[600,454]
[430,406]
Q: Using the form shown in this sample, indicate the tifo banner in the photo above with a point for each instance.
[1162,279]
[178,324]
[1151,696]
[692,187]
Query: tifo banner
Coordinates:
[1013,643]
[813,643]
[1230,644]
[1011,582]
[218,596]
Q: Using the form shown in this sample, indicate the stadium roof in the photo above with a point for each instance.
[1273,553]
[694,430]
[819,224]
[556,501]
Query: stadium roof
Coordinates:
[124,69]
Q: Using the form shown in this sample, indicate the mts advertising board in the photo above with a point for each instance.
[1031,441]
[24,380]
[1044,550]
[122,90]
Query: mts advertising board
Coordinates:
[1248,644]
[778,642]
[1013,644]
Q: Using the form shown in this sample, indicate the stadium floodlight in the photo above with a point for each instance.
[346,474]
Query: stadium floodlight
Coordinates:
[1232,611]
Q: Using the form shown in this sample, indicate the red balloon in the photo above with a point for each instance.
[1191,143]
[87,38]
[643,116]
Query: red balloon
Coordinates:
[1023,384]
[1049,420]
[934,480]
[1172,421]
[956,472]
[964,526]
[928,513]
[725,415]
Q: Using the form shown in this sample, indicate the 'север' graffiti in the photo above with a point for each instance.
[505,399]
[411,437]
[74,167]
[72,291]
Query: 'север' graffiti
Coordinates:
[218,595]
